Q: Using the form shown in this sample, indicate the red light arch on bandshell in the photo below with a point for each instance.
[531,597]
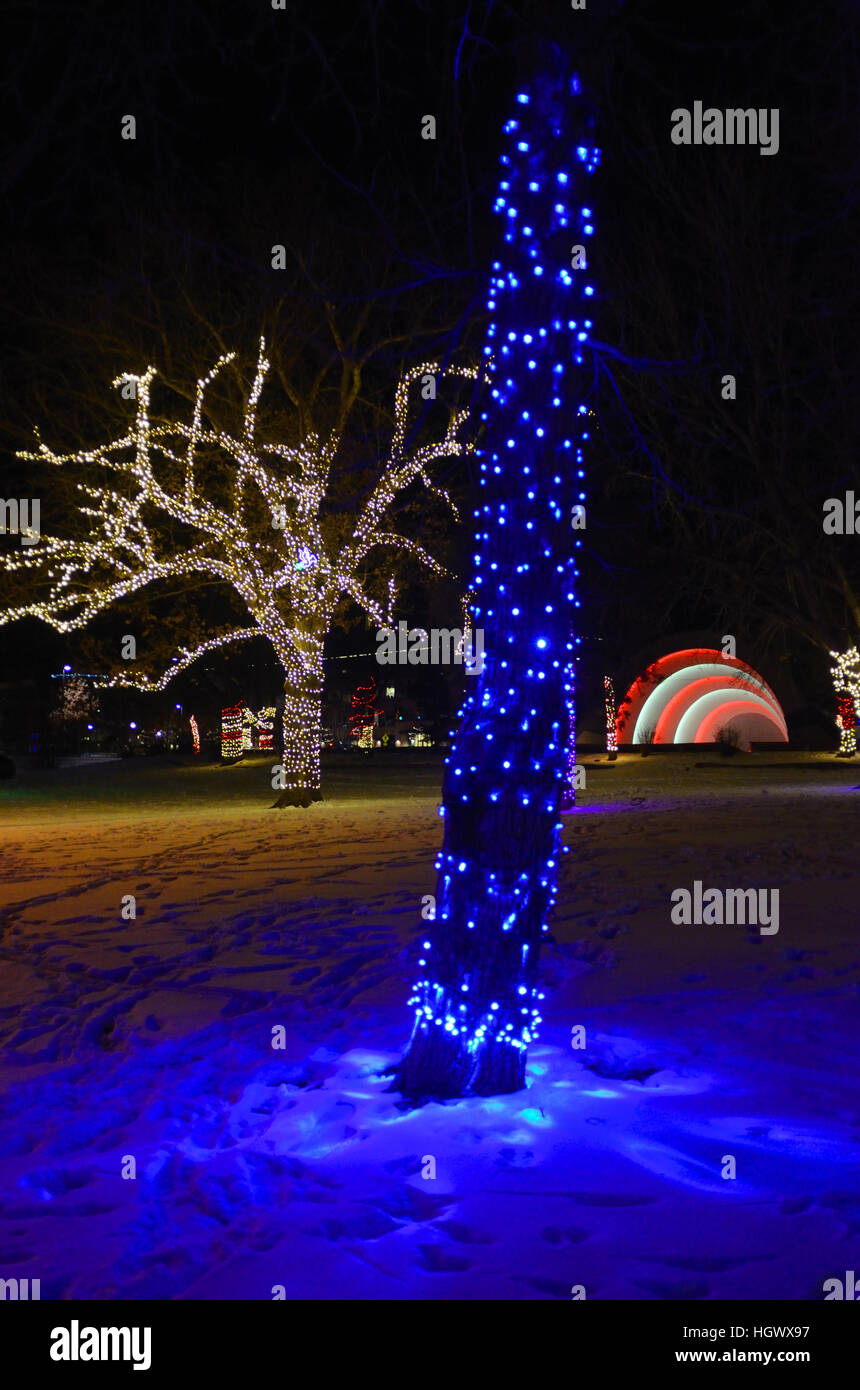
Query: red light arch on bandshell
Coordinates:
[677,706]
[710,725]
[709,671]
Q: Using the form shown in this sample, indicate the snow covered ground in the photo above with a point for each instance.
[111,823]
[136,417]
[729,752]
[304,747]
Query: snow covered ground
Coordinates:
[256,1169]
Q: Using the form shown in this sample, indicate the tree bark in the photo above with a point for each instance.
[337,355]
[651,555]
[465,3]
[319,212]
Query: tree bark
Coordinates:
[302,723]
[477,1003]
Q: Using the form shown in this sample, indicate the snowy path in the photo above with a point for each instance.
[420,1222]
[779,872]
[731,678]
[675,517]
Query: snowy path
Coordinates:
[257,1168]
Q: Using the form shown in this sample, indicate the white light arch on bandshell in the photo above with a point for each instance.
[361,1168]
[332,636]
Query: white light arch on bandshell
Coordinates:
[699,710]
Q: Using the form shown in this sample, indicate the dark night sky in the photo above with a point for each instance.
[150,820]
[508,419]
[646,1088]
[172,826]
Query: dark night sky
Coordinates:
[256,127]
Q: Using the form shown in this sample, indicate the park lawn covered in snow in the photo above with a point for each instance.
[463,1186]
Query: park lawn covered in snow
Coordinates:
[296,1169]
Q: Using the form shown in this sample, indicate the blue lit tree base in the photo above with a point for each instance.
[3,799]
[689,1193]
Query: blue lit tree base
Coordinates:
[438,1067]
[497,885]
[477,1002]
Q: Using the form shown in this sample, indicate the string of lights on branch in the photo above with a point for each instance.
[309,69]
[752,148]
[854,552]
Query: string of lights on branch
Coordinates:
[536,437]
[287,576]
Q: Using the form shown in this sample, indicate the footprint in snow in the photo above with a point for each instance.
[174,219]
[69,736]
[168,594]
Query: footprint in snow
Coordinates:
[515,1158]
[365,1225]
[409,1164]
[554,1288]
[793,1206]
[463,1234]
[435,1260]
[706,1264]
[555,1235]
[606,1199]
[410,1204]
[681,1293]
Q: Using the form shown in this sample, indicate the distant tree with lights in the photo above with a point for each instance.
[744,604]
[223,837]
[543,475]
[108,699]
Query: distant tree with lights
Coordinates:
[77,703]
[477,1001]
[196,502]
[364,712]
[846,683]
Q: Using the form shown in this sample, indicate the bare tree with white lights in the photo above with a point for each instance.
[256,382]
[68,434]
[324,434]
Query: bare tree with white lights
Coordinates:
[253,520]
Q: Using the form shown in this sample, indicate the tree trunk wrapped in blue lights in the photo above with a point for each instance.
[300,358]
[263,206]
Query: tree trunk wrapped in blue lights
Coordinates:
[477,1001]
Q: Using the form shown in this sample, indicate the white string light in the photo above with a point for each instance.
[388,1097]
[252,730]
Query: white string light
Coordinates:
[289,578]
[846,682]
[609,706]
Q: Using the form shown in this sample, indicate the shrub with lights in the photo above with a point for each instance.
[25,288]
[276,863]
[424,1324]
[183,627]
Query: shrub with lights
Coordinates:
[611,719]
[477,1000]
[363,714]
[846,681]
[231,733]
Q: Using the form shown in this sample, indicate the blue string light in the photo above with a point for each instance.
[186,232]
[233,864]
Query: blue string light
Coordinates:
[478,979]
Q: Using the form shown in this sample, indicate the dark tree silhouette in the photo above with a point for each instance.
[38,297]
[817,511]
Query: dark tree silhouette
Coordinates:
[727,263]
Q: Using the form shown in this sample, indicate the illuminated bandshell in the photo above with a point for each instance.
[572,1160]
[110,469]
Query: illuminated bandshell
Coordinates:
[688,696]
